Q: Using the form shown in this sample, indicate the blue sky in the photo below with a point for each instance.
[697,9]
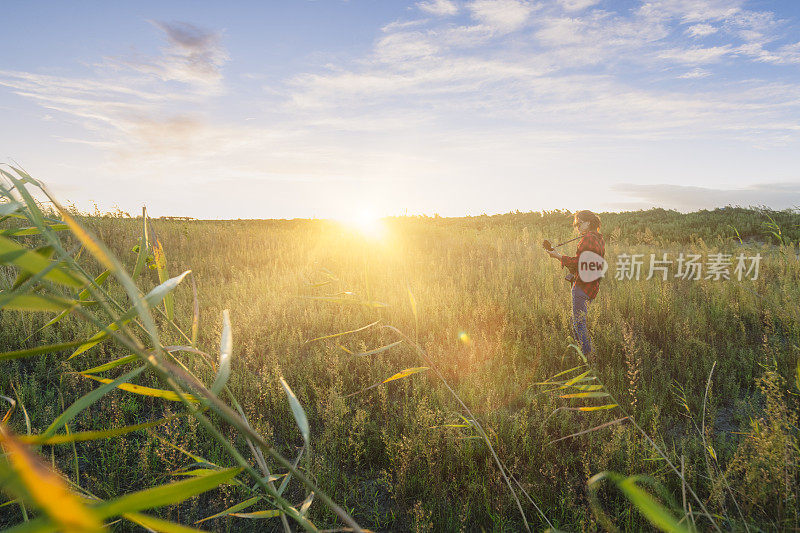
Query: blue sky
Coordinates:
[324,108]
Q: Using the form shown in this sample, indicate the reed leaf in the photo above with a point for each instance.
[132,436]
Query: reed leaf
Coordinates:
[405,373]
[272,513]
[144,391]
[225,350]
[298,412]
[144,246]
[46,489]
[233,509]
[35,303]
[157,524]
[39,350]
[163,495]
[88,399]
[653,511]
[379,350]
[13,253]
[585,395]
[84,436]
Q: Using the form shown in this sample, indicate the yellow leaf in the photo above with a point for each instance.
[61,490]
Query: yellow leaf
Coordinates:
[145,391]
[47,490]
[406,372]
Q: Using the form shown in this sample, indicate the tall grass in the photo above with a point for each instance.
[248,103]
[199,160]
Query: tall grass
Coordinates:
[490,313]
[51,279]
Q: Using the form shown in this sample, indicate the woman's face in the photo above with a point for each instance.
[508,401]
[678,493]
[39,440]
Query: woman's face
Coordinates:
[580,225]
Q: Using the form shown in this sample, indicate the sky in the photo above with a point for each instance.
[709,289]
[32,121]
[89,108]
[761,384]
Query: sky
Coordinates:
[296,109]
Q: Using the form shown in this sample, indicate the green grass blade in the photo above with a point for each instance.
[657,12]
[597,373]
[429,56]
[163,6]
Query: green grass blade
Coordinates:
[99,280]
[82,296]
[334,335]
[225,349]
[272,513]
[195,313]
[590,430]
[35,303]
[232,509]
[113,364]
[88,399]
[84,436]
[24,275]
[288,478]
[32,230]
[144,246]
[657,514]
[585,395]
[298,412]
[575,380]
[549,381]
[160,496]
[152,299]
[163,275]
[39,350]
[15,254]
[9,208]
[157,524]
[379,350]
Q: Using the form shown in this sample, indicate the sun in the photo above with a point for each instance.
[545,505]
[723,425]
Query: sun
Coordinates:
[367,223]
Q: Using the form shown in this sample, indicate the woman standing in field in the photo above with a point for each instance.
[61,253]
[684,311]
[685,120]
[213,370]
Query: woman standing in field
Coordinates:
[584,284]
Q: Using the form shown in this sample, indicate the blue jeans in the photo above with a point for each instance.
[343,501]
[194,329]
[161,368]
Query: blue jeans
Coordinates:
[580,306]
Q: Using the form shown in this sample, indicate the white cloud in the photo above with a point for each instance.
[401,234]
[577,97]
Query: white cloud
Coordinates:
[402,46]
[502,15]
[441,8]
[700,30]
[577,5]
[690,11]
[783,55]
[752,25]
[696,55]
[695,74]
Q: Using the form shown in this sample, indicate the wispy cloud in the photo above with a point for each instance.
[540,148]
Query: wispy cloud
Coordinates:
[193,55]
[695,74]
[696,55]
[578,5]
[701,30]
[501,15]
[533,80]
[128,105]
[687,198]
[475,88]
[440,8]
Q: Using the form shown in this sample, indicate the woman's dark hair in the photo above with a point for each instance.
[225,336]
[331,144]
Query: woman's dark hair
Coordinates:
[591,218]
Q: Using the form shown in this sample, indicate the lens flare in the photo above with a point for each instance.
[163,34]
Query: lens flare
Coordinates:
[464,338]
[366,223]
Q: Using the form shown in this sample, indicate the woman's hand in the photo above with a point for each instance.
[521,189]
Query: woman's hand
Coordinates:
[554,254]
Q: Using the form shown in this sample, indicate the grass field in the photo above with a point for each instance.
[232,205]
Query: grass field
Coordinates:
[492,313]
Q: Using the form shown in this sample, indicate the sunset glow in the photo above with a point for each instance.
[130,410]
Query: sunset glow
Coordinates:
[367,223]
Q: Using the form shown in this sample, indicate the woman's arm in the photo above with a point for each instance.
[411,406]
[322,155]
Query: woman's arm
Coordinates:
[571,263]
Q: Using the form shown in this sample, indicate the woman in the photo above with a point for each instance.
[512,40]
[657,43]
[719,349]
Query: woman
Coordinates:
[583,292]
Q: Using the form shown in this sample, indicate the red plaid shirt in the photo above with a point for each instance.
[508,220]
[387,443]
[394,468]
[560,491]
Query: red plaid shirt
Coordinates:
[592,242]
